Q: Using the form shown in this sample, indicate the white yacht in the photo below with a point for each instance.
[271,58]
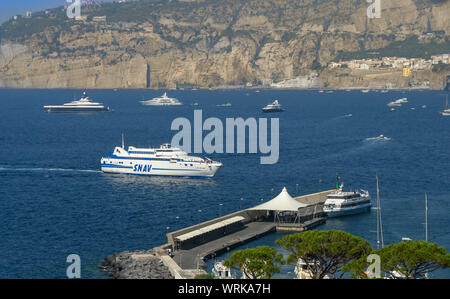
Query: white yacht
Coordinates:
[343,203]
[446,111]
[274,107]
[221,272]
[162,161]
[82,105]
[163,100]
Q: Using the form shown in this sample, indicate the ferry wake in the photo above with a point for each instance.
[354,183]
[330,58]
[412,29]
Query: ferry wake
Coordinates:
[162,161]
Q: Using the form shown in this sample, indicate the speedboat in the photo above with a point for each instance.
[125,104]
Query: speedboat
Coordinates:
[398,102]
[82,105]
[162,161]
[446,111]
[274,107]
[163,100]
[342,203]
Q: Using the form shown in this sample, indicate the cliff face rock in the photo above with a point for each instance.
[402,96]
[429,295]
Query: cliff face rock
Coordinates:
[173,44]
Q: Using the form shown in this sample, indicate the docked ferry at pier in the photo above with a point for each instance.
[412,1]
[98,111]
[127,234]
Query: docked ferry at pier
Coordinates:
[342,203]
[82,105]
[162,161]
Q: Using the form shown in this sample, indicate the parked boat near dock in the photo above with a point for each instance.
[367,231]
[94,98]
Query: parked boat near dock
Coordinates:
[162,161]
[82,105]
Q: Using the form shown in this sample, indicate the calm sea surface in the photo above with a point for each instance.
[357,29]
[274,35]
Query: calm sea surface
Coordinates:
[54,201]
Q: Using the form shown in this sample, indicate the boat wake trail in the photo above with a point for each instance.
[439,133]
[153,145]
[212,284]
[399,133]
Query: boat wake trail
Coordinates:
[11,169]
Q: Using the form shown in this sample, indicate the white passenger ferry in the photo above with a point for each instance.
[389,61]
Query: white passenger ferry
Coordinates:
[162,161]
[274,107]
[343,203]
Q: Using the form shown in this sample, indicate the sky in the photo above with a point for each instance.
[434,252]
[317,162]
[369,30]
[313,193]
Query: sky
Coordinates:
[9,8]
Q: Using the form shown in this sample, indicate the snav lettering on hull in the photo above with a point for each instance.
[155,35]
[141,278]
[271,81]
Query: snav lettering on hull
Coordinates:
[142,168]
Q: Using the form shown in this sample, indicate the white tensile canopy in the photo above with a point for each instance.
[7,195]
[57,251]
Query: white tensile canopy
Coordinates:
[282,202]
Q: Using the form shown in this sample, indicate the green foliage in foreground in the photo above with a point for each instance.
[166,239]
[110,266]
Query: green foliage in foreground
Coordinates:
[325,252]
[255,263]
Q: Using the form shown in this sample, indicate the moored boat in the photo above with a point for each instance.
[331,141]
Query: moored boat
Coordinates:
[163,100]
[162,161]
[82,105]
[446,111]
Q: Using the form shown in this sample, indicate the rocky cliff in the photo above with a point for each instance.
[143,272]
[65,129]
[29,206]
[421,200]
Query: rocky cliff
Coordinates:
[169,44]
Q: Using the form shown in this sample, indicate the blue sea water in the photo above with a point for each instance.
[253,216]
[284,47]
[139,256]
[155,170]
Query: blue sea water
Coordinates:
[54,201]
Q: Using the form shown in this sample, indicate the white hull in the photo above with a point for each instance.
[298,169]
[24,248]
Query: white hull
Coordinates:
[158,168]
[145,103]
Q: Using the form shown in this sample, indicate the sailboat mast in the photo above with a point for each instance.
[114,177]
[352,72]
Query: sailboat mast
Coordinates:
[123,142]
[378,215]
[380,239]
